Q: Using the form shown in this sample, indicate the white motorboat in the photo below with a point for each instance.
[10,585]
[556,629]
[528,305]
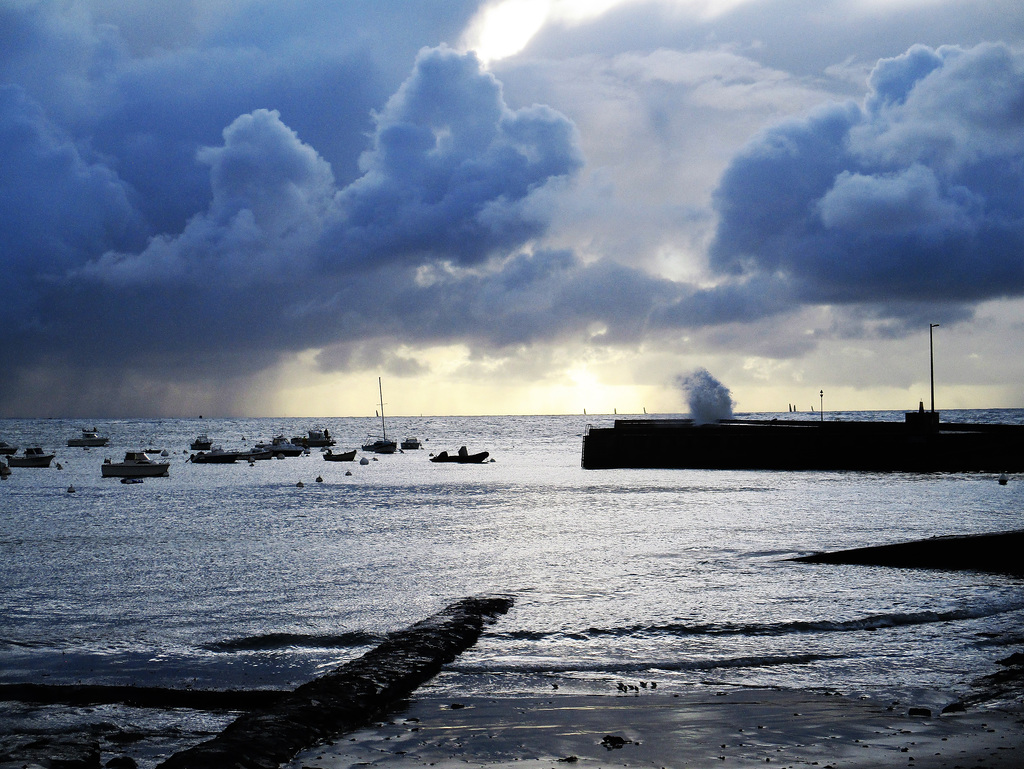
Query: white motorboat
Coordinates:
[280,446]
[89,438]
[136,464]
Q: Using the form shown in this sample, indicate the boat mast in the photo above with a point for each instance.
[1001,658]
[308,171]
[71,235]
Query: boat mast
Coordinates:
[382,428]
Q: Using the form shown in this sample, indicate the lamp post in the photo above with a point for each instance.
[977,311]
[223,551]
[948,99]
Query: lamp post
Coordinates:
[931,360]
[821,405]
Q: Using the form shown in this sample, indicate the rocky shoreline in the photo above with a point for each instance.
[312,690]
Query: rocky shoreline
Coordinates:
[998,552]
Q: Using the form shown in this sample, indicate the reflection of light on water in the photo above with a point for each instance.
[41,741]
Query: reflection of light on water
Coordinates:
[674,576]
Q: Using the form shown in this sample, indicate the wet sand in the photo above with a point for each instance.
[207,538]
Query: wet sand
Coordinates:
[743,727]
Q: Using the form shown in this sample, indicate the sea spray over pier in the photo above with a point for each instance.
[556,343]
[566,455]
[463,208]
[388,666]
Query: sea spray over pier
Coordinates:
[708,399]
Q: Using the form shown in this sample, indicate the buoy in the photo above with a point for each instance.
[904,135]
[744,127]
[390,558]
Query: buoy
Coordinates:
[300,484]
[60,466]
[348,472]
[71,489]
[1003,479]
[319,479]
[364,461]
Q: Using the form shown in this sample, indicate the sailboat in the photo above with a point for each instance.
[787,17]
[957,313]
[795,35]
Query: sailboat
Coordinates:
[381,445]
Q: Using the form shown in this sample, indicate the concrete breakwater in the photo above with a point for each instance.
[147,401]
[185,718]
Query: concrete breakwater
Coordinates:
[348,697]
[919,444]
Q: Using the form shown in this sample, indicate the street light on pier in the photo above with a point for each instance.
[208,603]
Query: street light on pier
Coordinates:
[821,405]
[931,360]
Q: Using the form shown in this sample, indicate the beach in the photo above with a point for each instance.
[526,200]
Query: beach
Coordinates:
[734,727]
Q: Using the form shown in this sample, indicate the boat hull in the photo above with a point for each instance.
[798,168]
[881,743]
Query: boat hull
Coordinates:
[381,447]
[214,459]
[341,456]
[36,461]
[461,458]
[87,442]
[122,470]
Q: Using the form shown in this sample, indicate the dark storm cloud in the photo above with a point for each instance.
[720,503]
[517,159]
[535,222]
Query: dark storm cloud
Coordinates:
[913,197]
[56,206]
[284,258]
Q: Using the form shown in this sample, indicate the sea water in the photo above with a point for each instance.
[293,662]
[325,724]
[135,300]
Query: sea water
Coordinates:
[235,576]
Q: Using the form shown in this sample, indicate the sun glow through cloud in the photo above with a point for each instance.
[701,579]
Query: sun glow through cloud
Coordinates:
[505,27]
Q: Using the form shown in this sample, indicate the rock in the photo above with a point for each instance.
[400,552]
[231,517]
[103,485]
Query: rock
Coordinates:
[52,753]
[614,742]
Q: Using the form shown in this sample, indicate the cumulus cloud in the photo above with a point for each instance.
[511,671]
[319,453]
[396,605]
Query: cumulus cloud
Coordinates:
[911,197]
[452,168]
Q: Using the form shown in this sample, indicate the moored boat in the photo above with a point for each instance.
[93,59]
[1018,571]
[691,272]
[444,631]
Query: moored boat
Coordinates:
[280,446]
[341,456]
[6,448]
[201,443]
[136,464]
[411,443]
[315,439]
[462,456]
[382,445]
[33,457]
[89,438]
[217,456]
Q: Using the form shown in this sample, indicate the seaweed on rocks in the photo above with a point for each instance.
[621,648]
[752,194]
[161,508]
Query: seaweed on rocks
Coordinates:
[348,697]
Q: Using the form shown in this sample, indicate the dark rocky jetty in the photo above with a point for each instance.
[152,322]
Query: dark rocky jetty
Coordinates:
[349,697]
[998,552]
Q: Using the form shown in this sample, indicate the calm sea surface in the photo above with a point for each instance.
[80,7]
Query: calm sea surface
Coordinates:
[233,576]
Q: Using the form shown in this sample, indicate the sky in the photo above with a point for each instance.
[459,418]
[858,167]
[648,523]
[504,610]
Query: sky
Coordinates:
[259,207]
